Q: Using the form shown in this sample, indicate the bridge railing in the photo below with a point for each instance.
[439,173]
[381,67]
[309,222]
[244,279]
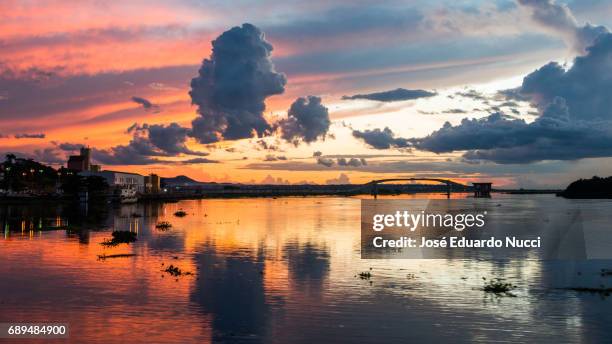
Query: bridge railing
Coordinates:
[374,184]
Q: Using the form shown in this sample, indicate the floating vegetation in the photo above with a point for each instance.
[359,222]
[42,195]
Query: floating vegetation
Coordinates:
[180,213]
[121,255]
[163,226]
[120,237]
[498,287]
[175,271]
[365,275]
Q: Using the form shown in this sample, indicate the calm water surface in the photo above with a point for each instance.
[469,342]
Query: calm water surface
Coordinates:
[276,271]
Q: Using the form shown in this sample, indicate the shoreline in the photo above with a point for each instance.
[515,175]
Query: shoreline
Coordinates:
[170,197]
[232,194]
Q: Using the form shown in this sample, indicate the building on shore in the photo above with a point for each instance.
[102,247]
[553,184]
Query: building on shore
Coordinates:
[482,189]
[115,179]
[152,183]
[82,162]
[119,180]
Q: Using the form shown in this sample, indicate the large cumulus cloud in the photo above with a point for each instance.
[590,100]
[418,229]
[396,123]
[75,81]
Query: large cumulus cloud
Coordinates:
[398,94]
[146,104]
[170,139]
[232,86]
[381,139]
[122,155]
[552,136]
[575,117]
[148,142]
[585,86]
[559,19]
[307,120]
[352,162]
[30,136]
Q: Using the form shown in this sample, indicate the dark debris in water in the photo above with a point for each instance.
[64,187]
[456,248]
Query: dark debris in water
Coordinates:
[176,271]
[120,237]
[121,255]
[163,225]
[498,287]
[180,213]
[366,275]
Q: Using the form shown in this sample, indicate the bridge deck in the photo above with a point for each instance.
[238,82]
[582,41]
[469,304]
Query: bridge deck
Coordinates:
[439,180]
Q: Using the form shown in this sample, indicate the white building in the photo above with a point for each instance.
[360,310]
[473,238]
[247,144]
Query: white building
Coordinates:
[120,179]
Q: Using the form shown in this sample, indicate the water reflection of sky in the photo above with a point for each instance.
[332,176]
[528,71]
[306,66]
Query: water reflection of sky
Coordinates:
[273,270]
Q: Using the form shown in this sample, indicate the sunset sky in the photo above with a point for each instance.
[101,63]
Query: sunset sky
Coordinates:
[310,91]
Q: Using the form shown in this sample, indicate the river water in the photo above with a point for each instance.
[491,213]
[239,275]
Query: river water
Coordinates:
[282,270]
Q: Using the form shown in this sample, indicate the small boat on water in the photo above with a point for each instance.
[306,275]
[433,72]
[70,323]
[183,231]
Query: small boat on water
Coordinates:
[128,195]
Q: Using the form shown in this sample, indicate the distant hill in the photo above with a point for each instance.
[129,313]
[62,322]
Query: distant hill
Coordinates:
[179,180]
[595,187]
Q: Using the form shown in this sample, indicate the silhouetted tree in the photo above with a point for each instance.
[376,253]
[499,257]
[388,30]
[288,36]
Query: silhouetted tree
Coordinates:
[595,187]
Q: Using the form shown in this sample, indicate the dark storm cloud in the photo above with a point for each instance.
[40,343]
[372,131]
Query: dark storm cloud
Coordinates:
[509,104]
[381,139]
[271,157]
[132,154]
[513,93]
[327,162]
[232,86]
[263,144]
[69,147]
[199,161]
[341,161]
[30,136]
[454,111]
[351,162]
[472,94]
[148,141]
[146,104]
[497,138]
[170,139]
[574,109]
[398,94]
[558,18]
[592,146]
[122,155]
[48,155]
[307,120]
[489,132]
[585,86]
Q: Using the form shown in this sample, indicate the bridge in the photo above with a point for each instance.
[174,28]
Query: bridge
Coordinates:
[449,184]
